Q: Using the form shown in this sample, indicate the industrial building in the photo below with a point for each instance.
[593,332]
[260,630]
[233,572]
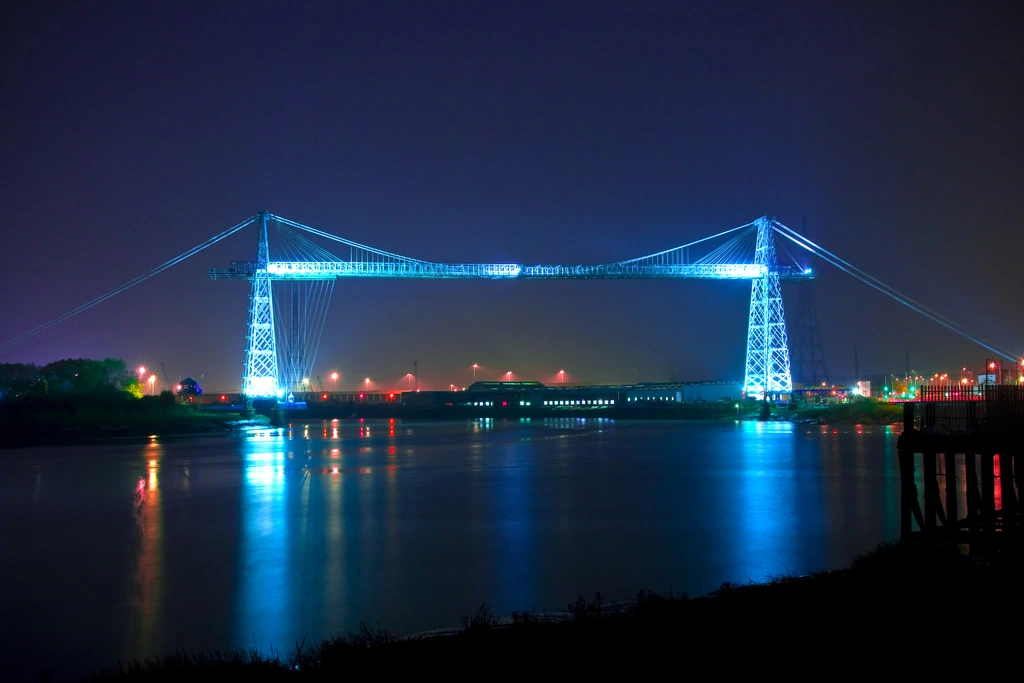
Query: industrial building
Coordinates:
[572,397]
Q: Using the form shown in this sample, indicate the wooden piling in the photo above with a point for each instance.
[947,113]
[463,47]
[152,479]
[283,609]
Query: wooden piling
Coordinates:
[978,423]
[952,515]
[931,490]
[988,493]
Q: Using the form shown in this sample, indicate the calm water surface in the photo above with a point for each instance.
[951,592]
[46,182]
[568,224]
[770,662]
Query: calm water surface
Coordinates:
[264,539]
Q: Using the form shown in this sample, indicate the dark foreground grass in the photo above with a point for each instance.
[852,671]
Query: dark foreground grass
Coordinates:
[900,611]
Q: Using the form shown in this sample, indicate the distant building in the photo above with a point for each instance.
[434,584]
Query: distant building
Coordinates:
[189,390]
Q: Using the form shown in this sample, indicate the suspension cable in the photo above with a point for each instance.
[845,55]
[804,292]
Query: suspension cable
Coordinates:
[355,245]
[880,286]
[683,246]
[131,283]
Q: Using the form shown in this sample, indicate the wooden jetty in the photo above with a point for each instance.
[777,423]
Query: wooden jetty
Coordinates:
[969,444]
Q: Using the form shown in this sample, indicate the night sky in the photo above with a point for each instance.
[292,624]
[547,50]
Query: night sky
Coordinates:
[526,132]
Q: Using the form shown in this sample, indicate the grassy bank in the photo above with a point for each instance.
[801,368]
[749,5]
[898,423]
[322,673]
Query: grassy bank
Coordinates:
[858,411]
[42,420]
[893,607]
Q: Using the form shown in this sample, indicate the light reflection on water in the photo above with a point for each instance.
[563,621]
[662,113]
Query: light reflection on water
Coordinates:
[147,581]
[306,531]
[264,583]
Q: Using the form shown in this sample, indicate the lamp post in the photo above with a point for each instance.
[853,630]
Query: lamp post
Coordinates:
[561,376]
[475,366]
[152,385]
[508,376]
[334,379]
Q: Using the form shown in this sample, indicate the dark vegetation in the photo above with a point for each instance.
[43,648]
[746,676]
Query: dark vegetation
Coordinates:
[74,400]
[902,608]
[858,410]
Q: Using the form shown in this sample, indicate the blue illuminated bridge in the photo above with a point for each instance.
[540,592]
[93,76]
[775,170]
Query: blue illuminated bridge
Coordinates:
[281,344]
[293,276]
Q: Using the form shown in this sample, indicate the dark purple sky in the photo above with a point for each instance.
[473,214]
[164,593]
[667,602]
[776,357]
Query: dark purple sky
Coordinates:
[563,132]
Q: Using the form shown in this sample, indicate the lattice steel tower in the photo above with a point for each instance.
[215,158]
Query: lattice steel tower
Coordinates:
[808,357]
[768,371]
[260,378]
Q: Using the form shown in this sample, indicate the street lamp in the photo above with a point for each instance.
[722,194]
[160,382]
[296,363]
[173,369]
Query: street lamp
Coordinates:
[561,376]
[475,366]
[334,379]
[508,376]
[152,385]
[408,377]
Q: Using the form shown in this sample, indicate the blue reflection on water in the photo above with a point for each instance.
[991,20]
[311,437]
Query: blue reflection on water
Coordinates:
[265,589]
[768,497]
[515,535]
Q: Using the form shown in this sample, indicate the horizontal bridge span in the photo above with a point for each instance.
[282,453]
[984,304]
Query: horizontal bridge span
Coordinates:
[623,271]
[304,270]
[318,270]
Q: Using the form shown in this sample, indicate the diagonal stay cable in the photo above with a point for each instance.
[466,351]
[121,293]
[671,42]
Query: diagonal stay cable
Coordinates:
[891,292]
[356,245]
[131,283]
[860,274]
[682,246]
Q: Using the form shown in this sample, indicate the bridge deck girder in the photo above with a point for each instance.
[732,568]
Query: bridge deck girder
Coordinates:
[325,270]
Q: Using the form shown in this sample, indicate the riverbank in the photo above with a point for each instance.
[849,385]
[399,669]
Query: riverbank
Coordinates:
[892,607]
[858,411]
[52,424]
[70,420]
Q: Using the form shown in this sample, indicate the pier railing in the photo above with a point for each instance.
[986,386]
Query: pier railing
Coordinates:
[959,410]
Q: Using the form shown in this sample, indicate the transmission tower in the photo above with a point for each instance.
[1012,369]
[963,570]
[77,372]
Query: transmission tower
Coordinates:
[808,357]
[260,377]
[768,371]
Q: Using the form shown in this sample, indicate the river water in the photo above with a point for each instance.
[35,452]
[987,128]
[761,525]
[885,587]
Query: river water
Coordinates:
[266,538]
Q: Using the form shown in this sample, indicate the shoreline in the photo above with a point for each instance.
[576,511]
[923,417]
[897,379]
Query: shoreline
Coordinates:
[114,433]
[881,608]
[49,429]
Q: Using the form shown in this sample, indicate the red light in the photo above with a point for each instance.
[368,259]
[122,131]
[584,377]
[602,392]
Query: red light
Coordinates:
[324,397]
[391,395]
[223,397]
[504,404]
[362,395]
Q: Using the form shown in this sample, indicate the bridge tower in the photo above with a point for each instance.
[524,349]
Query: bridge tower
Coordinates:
[768,370]
[260,378]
